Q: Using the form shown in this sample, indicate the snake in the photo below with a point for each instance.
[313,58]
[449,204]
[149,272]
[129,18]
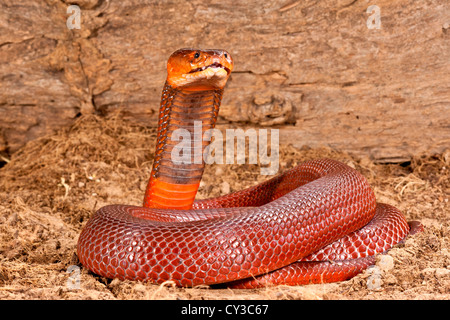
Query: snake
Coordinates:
[317,222]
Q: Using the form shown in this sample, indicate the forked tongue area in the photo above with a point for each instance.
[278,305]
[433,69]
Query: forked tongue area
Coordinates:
[178,165]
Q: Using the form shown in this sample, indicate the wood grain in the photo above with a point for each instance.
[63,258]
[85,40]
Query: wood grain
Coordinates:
[313,69]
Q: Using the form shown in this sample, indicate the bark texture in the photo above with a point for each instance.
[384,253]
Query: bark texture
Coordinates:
[319,70]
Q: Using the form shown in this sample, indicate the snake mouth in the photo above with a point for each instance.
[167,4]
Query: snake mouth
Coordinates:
[212,65]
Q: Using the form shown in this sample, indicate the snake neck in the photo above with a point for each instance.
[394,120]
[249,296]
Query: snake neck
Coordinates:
[184,116]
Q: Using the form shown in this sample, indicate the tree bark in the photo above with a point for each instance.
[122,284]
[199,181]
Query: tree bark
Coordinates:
[326,73]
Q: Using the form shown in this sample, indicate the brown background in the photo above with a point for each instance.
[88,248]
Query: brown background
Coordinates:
[312,68]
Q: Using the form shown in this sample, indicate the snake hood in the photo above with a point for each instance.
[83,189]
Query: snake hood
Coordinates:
[195,69]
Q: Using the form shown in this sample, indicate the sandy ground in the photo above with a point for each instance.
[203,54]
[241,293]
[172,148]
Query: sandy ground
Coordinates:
[50,188]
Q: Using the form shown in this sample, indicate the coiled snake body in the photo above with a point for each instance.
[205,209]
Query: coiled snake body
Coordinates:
[283,231]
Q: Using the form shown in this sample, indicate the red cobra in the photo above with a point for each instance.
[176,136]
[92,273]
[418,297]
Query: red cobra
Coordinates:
[283,231]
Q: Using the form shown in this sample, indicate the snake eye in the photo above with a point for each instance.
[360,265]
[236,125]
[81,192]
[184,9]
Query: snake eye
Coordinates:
[197,55]
[226,55]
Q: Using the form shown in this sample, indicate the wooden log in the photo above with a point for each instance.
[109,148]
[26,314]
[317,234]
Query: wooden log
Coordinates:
[331,73]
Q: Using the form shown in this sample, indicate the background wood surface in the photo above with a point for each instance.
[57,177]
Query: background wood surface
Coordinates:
[313,69]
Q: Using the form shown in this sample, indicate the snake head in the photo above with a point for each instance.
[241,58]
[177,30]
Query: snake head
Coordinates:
[195,69]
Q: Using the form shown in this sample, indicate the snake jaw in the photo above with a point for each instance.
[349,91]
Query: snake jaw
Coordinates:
[194,69]
[211,76]
[215,65]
